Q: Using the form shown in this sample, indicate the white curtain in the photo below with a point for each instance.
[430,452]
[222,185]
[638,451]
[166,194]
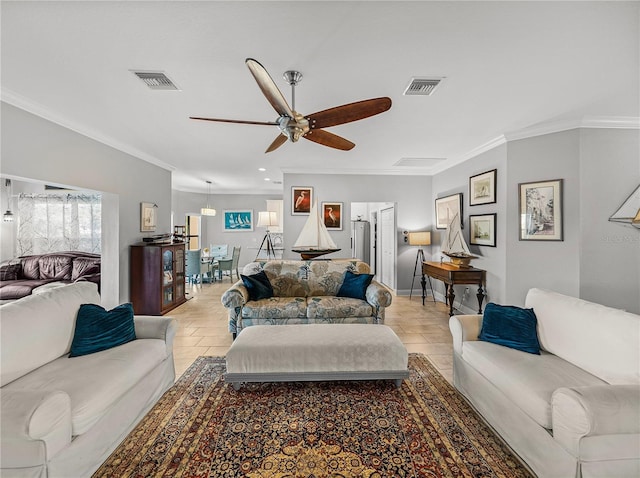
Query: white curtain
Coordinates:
[58,222]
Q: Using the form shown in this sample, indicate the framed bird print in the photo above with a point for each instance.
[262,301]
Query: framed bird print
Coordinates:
[332,215]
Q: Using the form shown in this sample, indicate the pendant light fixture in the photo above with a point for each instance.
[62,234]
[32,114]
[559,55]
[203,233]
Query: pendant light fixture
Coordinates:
[208,211]
[8,216]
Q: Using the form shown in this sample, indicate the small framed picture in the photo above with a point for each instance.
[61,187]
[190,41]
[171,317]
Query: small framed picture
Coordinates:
[147,217]
[238,220]
[541,211]
[482,188]
[446,208]
[301,199]
[482,230]
[332,215]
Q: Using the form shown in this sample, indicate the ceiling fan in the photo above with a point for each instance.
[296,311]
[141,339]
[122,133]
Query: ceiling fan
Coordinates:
[293,125]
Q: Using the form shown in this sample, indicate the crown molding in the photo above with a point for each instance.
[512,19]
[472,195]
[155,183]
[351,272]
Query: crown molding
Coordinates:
[605,122]
[19,101]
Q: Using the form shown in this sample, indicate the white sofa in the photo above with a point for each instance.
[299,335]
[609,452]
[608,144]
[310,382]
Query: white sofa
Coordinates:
[61,416]
[574,410]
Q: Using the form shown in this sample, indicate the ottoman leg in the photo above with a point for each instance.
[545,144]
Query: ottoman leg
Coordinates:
[398,382]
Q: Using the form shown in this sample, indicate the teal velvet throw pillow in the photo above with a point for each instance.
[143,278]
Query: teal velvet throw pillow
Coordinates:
[98,329]
[510,326]
[355,285]
[258,286]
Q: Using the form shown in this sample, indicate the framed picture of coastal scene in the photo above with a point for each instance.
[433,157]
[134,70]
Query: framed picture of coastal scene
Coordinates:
[541,211]
[301,200]
[332,215]
[238,220]
[482,188]
[446,208]
[482,229]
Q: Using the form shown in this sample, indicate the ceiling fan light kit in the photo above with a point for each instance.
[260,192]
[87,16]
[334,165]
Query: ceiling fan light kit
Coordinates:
[294,125]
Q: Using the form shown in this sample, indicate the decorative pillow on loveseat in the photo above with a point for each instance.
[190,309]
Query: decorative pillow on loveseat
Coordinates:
[355,285]
[98,329]
[258,285]
[511,327]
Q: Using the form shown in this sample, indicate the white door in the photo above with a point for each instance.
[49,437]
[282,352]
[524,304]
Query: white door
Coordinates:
[387,241]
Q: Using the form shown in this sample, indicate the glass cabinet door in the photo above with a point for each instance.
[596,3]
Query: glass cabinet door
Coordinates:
[167,277]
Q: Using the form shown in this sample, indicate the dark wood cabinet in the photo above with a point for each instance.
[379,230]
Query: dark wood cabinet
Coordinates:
[157,277]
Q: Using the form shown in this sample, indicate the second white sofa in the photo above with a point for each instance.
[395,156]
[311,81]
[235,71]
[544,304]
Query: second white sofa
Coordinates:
[573,410]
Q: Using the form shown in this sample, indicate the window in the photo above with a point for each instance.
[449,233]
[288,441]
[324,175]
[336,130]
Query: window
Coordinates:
[59,222]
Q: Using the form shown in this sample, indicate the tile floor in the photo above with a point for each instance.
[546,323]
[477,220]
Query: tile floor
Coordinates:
[202,327]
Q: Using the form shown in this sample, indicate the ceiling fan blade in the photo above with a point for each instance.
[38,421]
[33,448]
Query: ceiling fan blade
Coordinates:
[349,112]
[269,123]
[269,88]
[325,138]
[279,141]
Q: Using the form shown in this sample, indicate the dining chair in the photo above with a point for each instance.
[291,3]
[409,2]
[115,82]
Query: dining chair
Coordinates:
[230,264]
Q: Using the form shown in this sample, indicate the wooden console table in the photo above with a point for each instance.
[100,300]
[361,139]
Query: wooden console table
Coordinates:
[452,275]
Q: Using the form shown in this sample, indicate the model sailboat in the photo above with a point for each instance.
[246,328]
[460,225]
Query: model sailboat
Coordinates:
[314,239]
[454,246]
[629,212]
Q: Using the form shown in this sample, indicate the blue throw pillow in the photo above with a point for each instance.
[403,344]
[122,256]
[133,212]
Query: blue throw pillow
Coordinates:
[510,326]
[98,329]
[355,285]
[258,286]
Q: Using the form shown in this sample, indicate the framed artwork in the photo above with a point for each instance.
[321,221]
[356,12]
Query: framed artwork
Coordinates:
[482,188]
[332,215]
[238,220]
[147,217]
[541,211]
[446,208]
[301,199]
[482,230]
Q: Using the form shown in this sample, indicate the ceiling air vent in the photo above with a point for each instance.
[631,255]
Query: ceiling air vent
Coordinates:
[156,80]
[422,86]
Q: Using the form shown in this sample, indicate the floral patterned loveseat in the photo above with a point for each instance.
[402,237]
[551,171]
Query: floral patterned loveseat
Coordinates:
[304,292]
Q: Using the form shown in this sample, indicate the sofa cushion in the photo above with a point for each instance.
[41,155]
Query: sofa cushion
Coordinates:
[275,307]
[84,266]
[336,307]
[97,330]
[10,271]
[57,267]
[258,286]
[30,267]
[354,285]
[95,382]
[601,340]
[510,326]
[20,288]
[48,320]
[527,380]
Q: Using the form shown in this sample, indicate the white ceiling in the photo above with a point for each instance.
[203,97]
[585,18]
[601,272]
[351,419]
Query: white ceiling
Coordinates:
[508,66]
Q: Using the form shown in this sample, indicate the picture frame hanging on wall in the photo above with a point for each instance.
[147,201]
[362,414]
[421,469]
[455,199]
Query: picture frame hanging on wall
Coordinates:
[446,208]
[332,215]
[482,188]
[301,200]
[238,220]
[540,208]
[147,217]
[482,230]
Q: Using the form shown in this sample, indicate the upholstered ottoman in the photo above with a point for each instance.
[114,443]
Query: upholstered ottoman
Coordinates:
[314,352]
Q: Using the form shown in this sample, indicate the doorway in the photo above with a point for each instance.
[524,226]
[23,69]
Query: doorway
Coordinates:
[193,223]
[387,272]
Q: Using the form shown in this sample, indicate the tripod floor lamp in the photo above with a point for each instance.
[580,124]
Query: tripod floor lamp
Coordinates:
[267,219]
[420,239]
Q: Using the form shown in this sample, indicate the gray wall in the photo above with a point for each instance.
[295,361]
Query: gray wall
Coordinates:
[491,259]
[212,226]
[411,195]
[609,252]
[597,260]
[36,149]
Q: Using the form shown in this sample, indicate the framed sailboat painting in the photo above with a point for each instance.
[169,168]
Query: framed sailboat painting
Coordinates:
[446,208]
[238,220]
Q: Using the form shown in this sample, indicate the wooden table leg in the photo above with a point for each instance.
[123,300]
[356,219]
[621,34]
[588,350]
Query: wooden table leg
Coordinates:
[480,296]
[450,297]
[423,282]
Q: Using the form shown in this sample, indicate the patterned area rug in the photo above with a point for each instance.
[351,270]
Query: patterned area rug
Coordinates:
[202,427]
